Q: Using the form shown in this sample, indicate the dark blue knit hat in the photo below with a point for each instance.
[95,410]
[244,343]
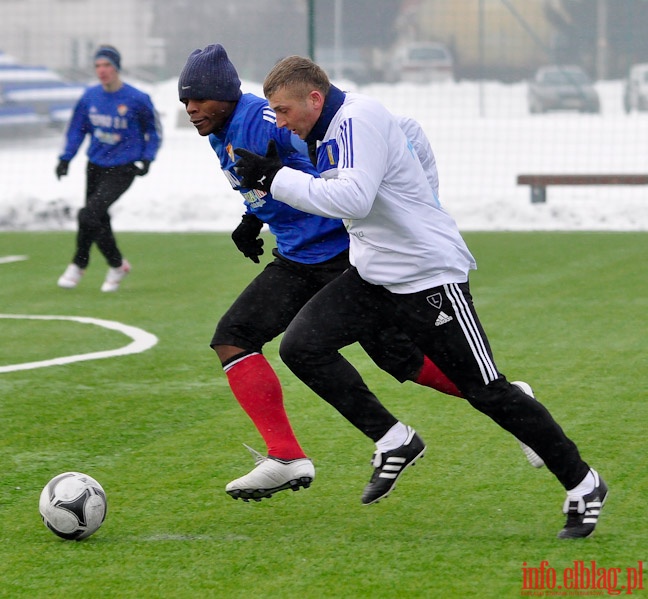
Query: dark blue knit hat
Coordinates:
[109,53]
[209,75]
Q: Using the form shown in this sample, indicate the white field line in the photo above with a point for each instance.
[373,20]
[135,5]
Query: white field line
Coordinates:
[141,342]
[7,259]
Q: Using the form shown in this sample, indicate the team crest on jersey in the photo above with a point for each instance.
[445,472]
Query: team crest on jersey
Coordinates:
[230,152]
[122,109]
[435,300]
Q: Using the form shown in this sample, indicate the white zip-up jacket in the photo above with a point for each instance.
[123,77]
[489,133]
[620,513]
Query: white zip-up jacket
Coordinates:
[421,144]
[401,237]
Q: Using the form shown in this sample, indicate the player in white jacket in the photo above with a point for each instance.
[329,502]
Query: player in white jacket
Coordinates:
[411,269]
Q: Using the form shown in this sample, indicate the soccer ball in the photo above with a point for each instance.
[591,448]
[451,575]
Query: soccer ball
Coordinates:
[73,505]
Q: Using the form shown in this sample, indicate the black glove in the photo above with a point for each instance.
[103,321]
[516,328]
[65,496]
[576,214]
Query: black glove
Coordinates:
[62,168]
[257,172]
[140,171]
[245,237]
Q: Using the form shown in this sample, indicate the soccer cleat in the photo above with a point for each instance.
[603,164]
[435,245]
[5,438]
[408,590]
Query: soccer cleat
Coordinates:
[534,459]
[583,512]
[71,277]
[389,465]
[270,476]
[115,276]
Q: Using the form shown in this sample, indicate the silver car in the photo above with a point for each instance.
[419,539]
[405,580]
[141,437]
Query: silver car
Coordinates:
[562,87]
[420,62]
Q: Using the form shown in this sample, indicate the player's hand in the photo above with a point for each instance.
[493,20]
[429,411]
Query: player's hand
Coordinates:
[140,171]
[257,172]
[62,168]
[245,236]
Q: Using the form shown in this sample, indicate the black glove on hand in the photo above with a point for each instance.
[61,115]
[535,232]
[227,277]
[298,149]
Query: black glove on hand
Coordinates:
[62,168]
[257,172]
[245,237]
[140,171]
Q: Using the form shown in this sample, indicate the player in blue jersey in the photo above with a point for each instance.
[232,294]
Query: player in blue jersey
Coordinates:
[125,135]
[311,251]
[410,267]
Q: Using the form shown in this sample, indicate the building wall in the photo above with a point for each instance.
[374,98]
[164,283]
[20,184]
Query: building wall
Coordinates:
[62,34]
[507,45]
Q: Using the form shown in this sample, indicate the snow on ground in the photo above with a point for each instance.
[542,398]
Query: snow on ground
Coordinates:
[482,135]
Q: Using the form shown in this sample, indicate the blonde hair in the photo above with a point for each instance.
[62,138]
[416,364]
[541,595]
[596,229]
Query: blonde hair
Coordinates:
[299,74]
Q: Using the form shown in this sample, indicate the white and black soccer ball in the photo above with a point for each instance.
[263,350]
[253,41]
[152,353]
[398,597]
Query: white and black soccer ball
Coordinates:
[73,505]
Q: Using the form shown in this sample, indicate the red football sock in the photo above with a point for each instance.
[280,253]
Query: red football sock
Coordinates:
[431,376]
[258,390]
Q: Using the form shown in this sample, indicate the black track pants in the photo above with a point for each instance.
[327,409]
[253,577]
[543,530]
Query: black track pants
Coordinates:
[104,186]
[443,324]
[266,306]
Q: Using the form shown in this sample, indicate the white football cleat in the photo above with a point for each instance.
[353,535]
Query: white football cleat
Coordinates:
[270,476]
[71,277]
[115,276]
[534,459]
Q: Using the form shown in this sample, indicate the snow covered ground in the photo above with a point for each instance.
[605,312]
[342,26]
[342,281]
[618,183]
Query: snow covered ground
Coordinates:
[482,134]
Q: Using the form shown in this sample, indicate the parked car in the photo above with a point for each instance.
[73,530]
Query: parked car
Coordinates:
[635,88]
[349,64]
[562,87]
[419,62]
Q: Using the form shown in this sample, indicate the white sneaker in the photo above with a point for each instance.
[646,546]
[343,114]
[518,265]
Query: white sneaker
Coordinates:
[534,459]
[115,275]
[71,277]
[270,476]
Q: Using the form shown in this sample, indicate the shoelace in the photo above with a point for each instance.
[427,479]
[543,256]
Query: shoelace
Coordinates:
[376,460]
[256,456]
[574,505]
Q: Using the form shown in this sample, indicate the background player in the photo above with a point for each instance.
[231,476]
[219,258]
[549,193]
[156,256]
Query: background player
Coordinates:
[125,135]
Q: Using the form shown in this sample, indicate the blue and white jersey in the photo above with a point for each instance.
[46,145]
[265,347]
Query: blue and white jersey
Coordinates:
[372,178]
[300,236]
[123,125]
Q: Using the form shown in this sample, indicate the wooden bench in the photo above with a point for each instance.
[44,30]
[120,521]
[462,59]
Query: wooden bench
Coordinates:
[539,183]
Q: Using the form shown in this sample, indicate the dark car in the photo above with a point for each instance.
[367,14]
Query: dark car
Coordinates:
[559,87]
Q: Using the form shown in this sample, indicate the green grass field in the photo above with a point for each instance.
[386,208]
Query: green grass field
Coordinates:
[162,433]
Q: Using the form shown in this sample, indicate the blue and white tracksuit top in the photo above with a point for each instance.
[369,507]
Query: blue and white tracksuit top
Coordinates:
[123,125]
[373,179]
[302,237]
